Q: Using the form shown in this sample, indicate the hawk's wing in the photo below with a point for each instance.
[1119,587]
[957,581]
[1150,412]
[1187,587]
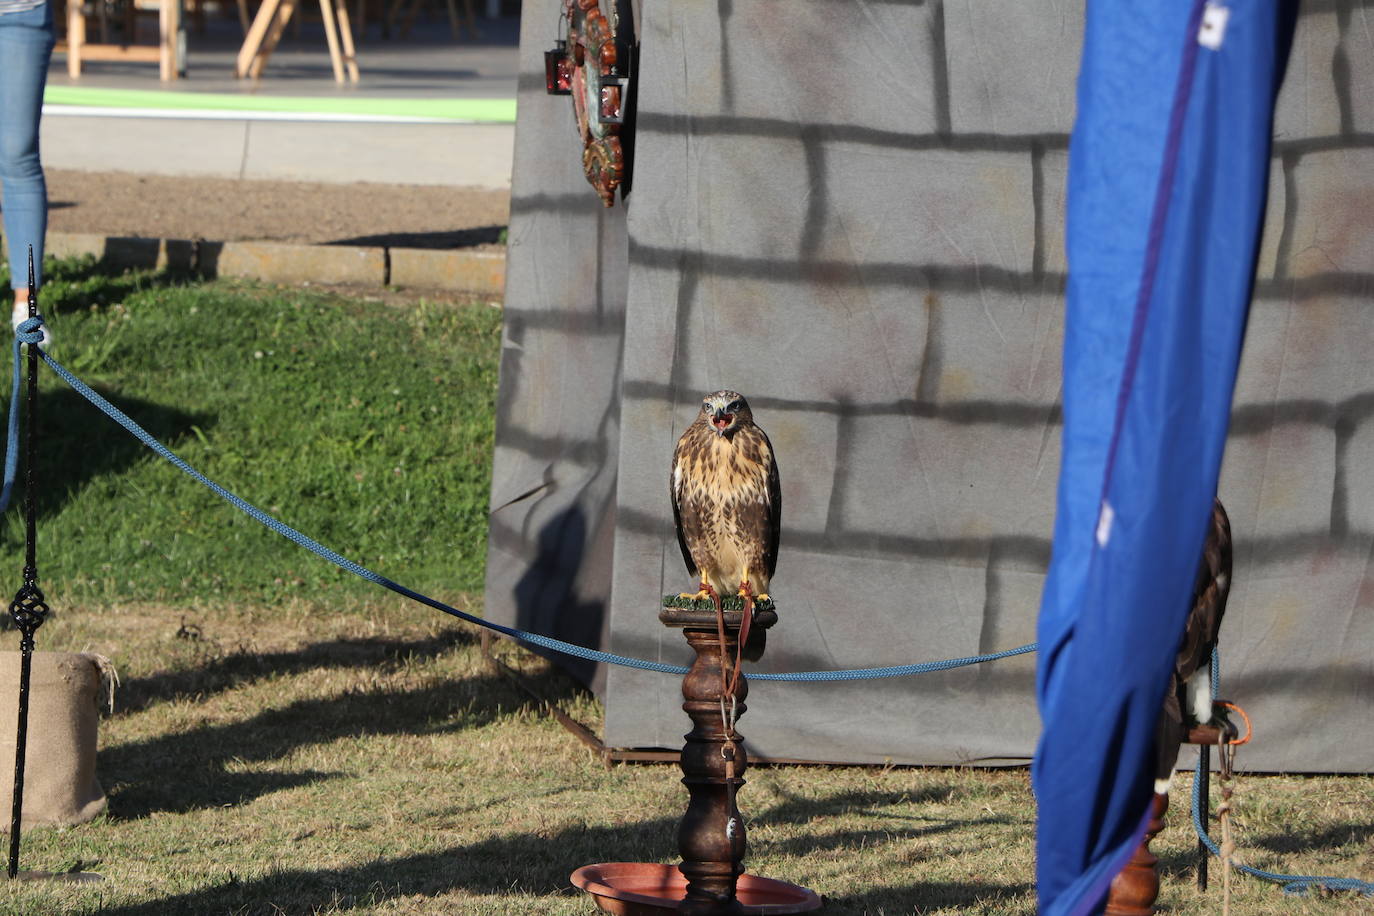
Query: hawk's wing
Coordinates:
[770,555]
[675,485]
[1209,597]
[1203,624]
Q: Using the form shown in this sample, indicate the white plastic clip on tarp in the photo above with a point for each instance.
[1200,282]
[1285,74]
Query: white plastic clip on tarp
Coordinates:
[1213,29]
[1104,524]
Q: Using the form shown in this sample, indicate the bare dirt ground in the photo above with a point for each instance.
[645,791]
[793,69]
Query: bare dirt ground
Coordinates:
[224,209]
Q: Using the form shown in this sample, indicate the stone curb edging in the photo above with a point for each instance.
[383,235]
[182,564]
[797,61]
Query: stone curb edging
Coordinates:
[478,272]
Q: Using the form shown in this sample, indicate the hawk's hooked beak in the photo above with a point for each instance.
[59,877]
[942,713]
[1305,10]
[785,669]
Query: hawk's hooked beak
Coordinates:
[721,421]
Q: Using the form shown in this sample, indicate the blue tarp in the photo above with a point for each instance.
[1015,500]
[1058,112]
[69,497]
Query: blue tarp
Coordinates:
[1168,167]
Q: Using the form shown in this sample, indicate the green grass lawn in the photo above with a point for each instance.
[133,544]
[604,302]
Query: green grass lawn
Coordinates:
[367,427]
[290,739]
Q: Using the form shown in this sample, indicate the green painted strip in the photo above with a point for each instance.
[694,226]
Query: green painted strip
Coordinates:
[492,110]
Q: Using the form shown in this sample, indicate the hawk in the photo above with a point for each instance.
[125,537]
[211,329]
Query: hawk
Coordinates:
[727,505]
[1189,697]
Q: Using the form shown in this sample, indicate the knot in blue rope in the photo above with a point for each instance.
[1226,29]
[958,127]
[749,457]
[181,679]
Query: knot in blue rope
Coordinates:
[30,330]
[1293,885]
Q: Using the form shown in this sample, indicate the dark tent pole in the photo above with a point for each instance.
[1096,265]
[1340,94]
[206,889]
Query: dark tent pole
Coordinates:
[28,610]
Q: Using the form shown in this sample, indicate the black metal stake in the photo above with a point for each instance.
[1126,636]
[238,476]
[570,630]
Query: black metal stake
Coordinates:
[28,610]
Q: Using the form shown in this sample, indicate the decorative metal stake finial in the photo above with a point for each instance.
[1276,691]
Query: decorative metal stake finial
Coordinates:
[29,609]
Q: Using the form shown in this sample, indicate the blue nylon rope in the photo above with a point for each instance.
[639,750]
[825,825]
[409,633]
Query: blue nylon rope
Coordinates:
[1298,885]
[865,674]
[28,332]
[338,560]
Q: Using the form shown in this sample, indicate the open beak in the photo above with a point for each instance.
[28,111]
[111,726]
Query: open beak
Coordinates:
[721,421]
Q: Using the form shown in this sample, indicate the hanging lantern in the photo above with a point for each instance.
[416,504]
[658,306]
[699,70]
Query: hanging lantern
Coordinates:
[558,69]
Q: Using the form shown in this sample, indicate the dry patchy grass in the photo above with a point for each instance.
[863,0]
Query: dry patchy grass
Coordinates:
[307,760]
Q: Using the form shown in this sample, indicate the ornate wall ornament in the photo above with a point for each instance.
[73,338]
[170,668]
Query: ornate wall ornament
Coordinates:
[587,64]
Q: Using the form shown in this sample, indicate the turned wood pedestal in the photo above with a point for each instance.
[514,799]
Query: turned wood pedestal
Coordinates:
[711,836]
[710,879]
[1135,889]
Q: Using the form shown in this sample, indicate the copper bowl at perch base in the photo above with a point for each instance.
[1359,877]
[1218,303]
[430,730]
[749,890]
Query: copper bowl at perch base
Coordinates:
[652,889]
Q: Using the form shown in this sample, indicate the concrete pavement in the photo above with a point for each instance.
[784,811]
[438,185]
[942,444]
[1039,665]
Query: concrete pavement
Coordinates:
[332,133]
[458,155]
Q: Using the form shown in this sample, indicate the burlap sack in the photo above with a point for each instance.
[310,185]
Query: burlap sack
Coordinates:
[60,786]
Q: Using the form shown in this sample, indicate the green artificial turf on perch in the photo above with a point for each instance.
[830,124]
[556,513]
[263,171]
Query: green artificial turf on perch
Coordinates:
[727,603]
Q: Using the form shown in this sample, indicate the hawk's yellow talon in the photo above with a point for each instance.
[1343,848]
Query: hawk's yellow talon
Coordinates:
[702,595]
[745,591]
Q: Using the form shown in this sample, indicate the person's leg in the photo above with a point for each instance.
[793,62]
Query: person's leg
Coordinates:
[26,42]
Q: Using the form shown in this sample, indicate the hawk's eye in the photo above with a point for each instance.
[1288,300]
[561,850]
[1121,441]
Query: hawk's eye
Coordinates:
[706,406]
[734,407]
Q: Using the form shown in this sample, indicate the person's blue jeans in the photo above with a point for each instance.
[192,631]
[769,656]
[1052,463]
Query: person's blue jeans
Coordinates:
[26,41]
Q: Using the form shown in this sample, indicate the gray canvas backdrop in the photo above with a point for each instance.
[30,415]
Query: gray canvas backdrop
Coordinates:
[853,213]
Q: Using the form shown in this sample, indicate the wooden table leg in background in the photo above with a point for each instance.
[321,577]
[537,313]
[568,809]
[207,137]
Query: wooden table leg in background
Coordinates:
[331,36]
[76,38]
[252,42]
[166,53]
[346,38]
[270,23]
[168,29]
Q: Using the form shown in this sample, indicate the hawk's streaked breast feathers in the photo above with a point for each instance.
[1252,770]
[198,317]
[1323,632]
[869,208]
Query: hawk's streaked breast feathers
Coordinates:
[727,505]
